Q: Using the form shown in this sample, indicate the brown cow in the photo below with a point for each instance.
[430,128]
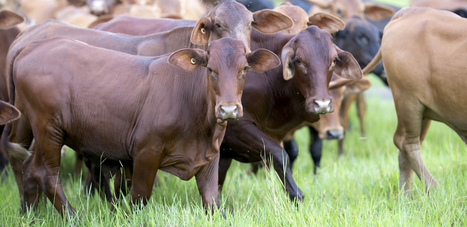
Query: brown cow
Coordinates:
[8,32]
[329,126]
[216,23]
[293,95]
[360,38]
[426,80]
[128,109]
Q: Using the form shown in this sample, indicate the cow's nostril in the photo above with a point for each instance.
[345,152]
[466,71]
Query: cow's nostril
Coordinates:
[228,112]
[334,134]
[322,106]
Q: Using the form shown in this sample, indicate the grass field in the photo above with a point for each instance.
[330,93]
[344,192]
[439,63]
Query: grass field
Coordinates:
[359,188]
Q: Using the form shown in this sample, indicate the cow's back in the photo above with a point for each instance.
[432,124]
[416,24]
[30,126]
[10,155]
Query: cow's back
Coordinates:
[140,26]
[424,52]
[101,98]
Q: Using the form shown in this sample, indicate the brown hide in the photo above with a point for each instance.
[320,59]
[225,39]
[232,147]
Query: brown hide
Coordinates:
[129,109]
[139,26]
[274,106]
[423,51]
[214,25]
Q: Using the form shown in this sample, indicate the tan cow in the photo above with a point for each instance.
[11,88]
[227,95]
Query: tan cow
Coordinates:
[424,52]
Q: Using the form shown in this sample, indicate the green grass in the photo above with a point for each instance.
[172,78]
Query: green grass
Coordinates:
[358,189]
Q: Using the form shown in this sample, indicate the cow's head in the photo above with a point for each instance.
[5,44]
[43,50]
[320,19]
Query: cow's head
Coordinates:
[310,58]
[232,19]
[301,19]
[101,7]
[8,113]
[360,38]
[329,125]
[8,19]
[227,62]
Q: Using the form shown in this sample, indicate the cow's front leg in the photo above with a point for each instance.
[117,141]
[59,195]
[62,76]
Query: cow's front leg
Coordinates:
[145,166]
[250,144]
[207,179]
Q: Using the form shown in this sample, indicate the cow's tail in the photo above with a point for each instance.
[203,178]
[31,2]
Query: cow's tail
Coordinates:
[373,63]
[14,149]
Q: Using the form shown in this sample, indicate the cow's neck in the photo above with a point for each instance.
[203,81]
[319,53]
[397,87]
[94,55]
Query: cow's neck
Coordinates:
[288,107]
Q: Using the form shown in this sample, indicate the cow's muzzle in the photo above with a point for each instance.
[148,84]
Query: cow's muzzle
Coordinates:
[229,112]
[99,8]
[334,134]
[320,106]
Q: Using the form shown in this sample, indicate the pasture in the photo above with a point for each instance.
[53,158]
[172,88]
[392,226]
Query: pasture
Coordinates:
[359,188]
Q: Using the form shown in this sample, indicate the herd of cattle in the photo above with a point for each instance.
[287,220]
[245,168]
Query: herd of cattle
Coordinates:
[133,95]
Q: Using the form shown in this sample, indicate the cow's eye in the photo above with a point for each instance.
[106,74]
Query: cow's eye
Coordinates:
[209,70]
[247,68]
[297,60]
[335,60]
[364,40]
[218,26]
[340,13]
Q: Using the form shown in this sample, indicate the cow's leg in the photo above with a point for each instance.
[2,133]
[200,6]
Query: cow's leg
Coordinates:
[224,165]
[410,128]
[122,181]
[145,166]
[340,146]
[45,165]
[32,191]
[291,147]
[344,110]
[253,144]
[207,179]
[361,109]
[21,134]
[78,164]
[3,157]
[316,149]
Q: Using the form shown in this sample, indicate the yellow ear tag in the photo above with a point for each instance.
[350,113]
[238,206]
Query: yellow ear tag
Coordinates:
[193,61]
[203,31]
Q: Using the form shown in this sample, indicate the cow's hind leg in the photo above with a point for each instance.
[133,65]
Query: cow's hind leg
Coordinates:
[411,130]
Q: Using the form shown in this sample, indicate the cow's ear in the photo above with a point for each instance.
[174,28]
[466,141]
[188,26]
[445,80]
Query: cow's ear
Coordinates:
[270,21]
[288,67]
[9,19]
[346,65]
[376,11]
[202,31]
[262,60]
[8,113]
[327,22]
[188,59]
[358,87]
